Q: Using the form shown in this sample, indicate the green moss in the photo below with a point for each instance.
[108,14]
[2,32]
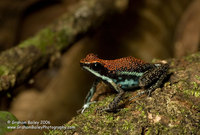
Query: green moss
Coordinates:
[167,84]
[89,110]
[139,107]
[157,113]
[19,67]
[4,70]
[180,85]
[197,93]
[155,60]
[195,85]
[182,110]
[6,120]
[73,124]
[197,77]
[143,114]
[193,58]
[125,126]
[12,79]
[109,118]
[124,110]
[62,38]
[43,40]
[189,58]
[148,132]
[86,129]
[193,90]
[172,63]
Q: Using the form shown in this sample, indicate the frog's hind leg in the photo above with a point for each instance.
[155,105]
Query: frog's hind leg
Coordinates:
[153,78]
[157,84]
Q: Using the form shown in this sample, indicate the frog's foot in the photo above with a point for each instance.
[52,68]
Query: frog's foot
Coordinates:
[114,110]
[106,109]
[149,92]
[112,107]
[86,105]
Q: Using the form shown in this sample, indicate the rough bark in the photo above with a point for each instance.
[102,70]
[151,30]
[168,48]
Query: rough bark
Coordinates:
[172,109]
[19,63]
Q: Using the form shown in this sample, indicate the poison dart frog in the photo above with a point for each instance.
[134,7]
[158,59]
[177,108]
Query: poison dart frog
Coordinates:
[123,74]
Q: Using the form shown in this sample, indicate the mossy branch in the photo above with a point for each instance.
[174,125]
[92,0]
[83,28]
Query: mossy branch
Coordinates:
[19,63]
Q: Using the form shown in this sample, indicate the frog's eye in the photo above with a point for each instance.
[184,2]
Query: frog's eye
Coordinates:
[96,66]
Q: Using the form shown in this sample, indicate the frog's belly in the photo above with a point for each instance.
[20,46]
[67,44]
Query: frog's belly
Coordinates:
[127,83]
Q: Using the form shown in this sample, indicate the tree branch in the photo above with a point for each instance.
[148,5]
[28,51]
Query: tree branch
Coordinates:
[19,63]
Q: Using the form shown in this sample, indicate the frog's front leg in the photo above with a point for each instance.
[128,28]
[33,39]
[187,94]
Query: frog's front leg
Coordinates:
[113,106]
[154,77]
[89,96]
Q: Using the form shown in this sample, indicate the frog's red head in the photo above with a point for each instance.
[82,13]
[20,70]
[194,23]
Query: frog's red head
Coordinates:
[92,62]
[90,58]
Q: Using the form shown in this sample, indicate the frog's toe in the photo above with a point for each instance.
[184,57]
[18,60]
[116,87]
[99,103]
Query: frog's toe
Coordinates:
[149,93]
[107,109]
[114,110]
[87,105]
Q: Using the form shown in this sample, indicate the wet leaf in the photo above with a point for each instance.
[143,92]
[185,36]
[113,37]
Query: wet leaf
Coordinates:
[7,122]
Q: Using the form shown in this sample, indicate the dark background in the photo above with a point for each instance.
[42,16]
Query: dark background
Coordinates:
[147,29]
